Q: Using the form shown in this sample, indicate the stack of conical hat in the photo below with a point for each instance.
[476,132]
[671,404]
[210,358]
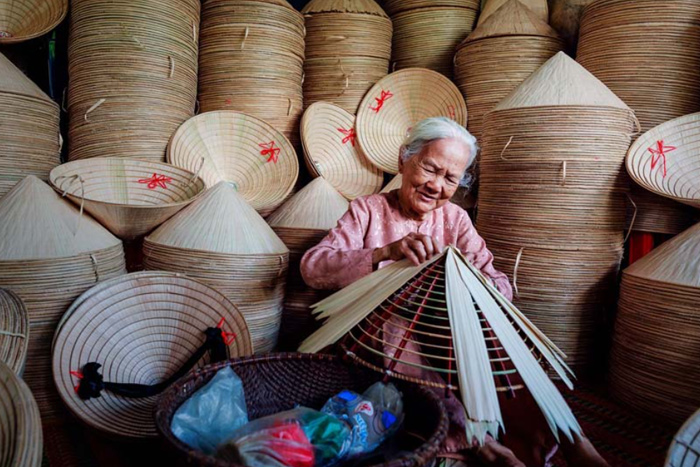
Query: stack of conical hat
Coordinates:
[348,47]
[251,60]
[21,20]
[20,425]
[29,133]
[426,32]
[552,199]
[301,223]
[14,331]
[499,55]
[132,67]
[654,361]
[50,253]
[654,66]
[220,240]
[538,7]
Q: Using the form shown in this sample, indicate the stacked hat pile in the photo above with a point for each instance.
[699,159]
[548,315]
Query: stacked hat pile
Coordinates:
[539,7]
[220,240]
[27,19]
[426,32]
[654,67]
[499,55]
[50,254]
[14,331]
[20,425]
[251,60]
[301,223]
[29,135]
[132,75]
[653,365]
[552,199]
[348,47]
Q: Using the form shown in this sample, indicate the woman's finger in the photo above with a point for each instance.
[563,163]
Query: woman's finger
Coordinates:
[418,248]
[436,245]
[408,253]
[428,245]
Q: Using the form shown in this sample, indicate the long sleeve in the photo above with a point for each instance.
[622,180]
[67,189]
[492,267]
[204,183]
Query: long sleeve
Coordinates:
[470,243]
[341,258]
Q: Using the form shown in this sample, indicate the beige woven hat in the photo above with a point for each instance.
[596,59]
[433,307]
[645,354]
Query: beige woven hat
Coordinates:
[331,150]
[14,331]
[141,328]
[238,148]
[21,20]
[686,444]
[130,197]
[395,104]
[317,206]
[538,7]
[20,426]
[665,160]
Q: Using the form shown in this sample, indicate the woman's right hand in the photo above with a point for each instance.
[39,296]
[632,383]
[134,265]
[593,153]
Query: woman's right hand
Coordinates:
[418,248]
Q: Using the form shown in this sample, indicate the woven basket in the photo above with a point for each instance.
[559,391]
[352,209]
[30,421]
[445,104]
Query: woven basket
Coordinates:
[395,104]
[331,151]
[14,331]
[279,382]
[685,448]
[20,426]
[235,147]
[132,68]
[26,19]
[129,197]
[141,327]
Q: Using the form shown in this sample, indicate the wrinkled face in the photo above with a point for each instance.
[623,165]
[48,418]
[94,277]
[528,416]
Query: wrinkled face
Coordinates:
[431,177]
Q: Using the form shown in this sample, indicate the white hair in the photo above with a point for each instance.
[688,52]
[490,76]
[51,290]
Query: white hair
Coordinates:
[434,129]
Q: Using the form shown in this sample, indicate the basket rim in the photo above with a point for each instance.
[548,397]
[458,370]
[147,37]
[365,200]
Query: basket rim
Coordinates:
[48,28]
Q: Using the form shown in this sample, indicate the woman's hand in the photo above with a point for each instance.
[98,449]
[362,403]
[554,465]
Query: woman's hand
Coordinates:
[416,247]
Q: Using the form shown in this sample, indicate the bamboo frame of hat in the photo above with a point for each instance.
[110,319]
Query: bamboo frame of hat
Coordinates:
[26,19]
[685,445]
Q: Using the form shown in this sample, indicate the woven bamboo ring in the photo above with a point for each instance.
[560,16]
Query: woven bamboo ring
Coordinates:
[141,328]
[235,147]
[14,331]
[395,104]
[26,19]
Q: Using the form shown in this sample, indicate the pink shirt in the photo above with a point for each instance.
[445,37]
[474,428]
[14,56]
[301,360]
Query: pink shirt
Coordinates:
[345,254]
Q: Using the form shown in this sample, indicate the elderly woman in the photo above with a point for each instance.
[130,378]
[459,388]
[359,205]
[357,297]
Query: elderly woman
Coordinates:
[416,222]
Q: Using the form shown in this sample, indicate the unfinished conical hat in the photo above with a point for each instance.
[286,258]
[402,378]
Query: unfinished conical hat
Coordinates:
[561,81]
[21,20]
[367,7]
[14,331]
[675,262]
[394,184]
[219,221]
[38,224]
[685,447]
[512,19]
[331,151]
[538,7]
[235,147]
[13,81]
[666,160]
[316,206]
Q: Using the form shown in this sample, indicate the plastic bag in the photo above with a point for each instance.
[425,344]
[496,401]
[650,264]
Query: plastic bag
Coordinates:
[213,413]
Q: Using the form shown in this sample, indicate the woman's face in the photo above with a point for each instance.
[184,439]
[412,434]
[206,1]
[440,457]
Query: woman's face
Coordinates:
[431,177]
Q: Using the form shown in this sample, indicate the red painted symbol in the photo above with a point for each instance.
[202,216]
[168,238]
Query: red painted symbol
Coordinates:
[270,151]
[451,110]
[228,338]
[156,181]
[381,99]
[228,101]
[365,408]
[658,153]
[350,135]
[78,375]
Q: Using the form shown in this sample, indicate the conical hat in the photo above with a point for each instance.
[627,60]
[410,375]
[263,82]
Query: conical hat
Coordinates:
[369,7]
[512,19]
[685,445]
[317,206]
[561,82]
[21,20]
[38,224]
[665,160]
[220,221]
[675,262]
[13,81]
[538,7]
[14,331]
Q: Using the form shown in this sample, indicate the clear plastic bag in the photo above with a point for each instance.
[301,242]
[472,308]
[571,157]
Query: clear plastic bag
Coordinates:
[213,413]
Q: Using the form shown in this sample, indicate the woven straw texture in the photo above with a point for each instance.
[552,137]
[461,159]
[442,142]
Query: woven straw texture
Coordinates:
[21,20]
[565,18]
[685,448]
[395,104]
[238,148]
[654,68]
[251,60]
[538,7]
[49,255]
[20,426]
[129,197]
[348,47]
[132,68]
[29,133]
[220,240]
[551,210]
[331,151]
[14,331]
[141,327]
[653,363]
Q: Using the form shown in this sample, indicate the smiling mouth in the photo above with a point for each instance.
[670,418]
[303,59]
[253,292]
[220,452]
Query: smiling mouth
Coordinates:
[427,197]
